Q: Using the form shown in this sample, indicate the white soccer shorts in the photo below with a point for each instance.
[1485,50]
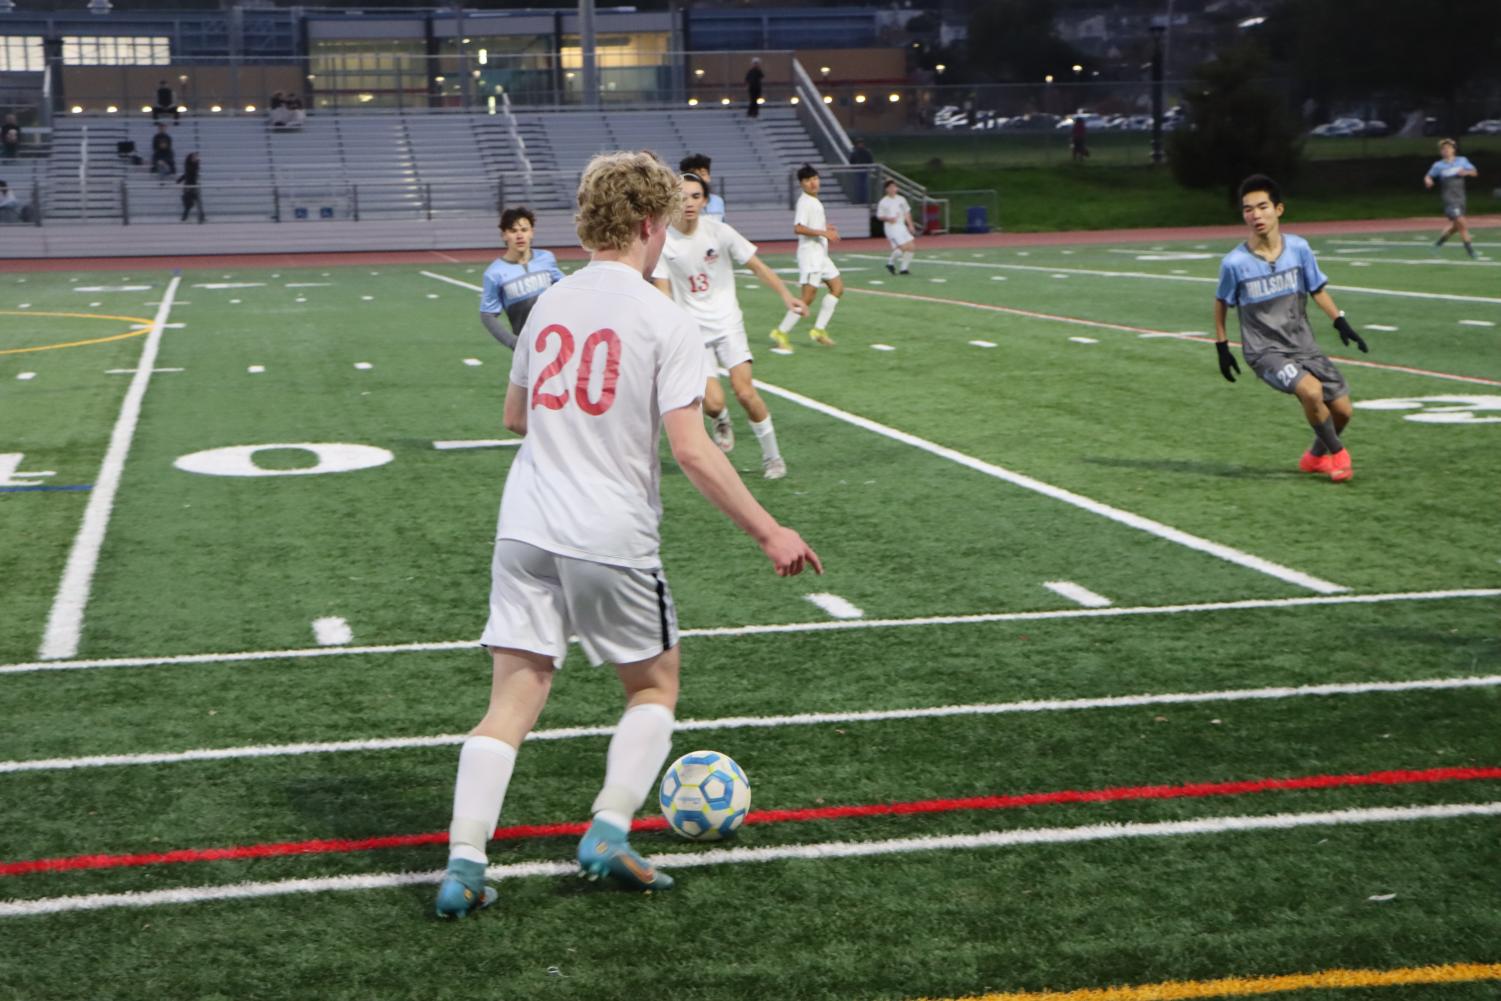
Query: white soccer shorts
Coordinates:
[898,234]
[813,270]
[621,615]
[728,349]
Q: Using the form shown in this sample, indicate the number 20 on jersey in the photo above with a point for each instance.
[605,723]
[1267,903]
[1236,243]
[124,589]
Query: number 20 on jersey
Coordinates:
[594,406]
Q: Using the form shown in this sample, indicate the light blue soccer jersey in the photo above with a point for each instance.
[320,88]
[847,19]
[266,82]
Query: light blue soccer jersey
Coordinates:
[715,208]
[513,288]
[1451,185]
[1272,297]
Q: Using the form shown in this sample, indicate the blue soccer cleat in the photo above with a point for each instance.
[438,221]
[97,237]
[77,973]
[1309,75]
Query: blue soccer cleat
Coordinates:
[603,851]
[463,890]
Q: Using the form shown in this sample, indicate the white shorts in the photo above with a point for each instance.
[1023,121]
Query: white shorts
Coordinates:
[815,270]
[898,234]
[728,349]
[537,599]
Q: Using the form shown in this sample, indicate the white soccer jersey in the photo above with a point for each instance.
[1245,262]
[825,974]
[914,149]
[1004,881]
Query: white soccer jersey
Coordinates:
[602,356]
[810,249]
[701,270]
[893,211]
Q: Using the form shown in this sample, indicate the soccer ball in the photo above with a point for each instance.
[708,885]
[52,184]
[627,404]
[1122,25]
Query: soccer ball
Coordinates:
[705,796]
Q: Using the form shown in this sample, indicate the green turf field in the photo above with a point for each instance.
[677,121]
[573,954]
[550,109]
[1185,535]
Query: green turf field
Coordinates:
[1080,561]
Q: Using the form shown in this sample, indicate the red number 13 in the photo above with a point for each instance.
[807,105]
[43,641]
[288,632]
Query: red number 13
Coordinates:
[557,401]
[698,284]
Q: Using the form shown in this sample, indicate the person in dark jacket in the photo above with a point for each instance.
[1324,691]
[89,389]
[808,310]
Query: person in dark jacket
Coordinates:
[191,198]
[753,78]
[165,102]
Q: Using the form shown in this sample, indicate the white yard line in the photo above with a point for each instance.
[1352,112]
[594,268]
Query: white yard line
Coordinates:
[1247,604]
[1100,273]
[818,851]
[372,744]
[65,621]
[452,281]
[839,608]
[1119,515]
[1077,593]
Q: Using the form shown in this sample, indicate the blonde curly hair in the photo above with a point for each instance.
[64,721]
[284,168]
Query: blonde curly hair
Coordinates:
[620,190]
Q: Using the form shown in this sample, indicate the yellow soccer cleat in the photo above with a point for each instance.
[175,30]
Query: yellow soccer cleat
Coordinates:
[780,339]
[821,337]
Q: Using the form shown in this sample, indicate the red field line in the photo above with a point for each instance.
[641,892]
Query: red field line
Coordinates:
[293,259]
[1115,794]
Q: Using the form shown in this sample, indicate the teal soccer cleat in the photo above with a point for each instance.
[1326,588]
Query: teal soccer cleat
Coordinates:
[463,890]
[603,851]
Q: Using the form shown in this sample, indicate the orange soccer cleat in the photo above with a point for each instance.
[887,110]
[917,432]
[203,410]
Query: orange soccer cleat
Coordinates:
[1310,463]
[1339,466]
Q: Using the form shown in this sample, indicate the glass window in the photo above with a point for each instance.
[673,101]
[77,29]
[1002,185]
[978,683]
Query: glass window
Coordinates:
[21,54]
[116,50]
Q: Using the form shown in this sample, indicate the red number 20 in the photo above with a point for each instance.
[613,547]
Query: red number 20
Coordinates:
[557,401]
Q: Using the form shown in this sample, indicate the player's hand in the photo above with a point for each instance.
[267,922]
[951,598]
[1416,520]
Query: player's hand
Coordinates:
[1228,363]
[1427,181]
[796,306]
[788,552]
[1347,334]
[832,232]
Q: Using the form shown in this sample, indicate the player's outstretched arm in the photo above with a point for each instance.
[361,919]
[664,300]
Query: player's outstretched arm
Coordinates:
[1228,364]
[498,329]
[774,281]
[711,473]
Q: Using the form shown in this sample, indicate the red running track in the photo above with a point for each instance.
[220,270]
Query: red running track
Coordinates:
[1115,794]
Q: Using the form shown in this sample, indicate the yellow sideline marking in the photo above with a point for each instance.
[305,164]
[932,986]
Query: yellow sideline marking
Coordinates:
[1177,990]
[143,325]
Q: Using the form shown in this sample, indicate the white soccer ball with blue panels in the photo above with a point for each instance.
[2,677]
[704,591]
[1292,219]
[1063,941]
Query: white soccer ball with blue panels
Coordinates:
[705,796]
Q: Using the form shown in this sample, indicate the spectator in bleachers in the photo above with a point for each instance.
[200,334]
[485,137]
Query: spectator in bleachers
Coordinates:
[163,160]
[10,138]
[698,165]
[753,78]
[189,180]
[286,111]
[10,208]
[165,102]
[860,156]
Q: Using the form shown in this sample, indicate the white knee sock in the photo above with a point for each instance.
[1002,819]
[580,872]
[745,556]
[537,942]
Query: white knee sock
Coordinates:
[485,766]
[767,436]
[788,322]
[639,749]
[906,260]
[893,258]
[826,310]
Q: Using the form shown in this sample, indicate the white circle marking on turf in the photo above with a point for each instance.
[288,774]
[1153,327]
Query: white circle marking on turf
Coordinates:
[983,344]
[882,347]
[1454,409]
[363,365]
[256,369]
[239,460]
[1084,340]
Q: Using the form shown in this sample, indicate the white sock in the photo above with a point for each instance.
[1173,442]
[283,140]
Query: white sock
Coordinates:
[788,322]
[826,311]
[723,417]
[767,436]
[906,260]
[485,766]
[639,749]
[893,258]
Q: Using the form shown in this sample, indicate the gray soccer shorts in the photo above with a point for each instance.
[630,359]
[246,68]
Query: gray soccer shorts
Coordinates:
[621,615]
[1282,372]
[1454,211]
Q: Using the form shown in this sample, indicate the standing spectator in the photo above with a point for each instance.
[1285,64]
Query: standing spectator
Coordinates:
[1079,151]
[165,102]
[10,137]
[163,160]
[860,157]
[10,208]
[189,181]
[753,78]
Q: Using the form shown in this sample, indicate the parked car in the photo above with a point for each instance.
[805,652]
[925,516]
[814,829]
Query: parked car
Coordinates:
[1486,127]
[1340,127]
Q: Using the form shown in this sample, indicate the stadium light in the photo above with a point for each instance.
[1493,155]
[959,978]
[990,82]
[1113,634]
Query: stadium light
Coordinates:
[1251,22]
[940,67]
[182,109]
[183,78]
[77,110]
[859,98]
[724,100]
[216,108]
[439,79]
[484,57]
[145,109]
[698,72]
[249,107]
[111,110]
[894,98]
[794,100]
[824,70]
[828,99]
[1048,78]
[1078,68]
[692,102]
[760,100]
[466,41]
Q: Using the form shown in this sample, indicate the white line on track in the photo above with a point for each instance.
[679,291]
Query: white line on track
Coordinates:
[1275,693]
[65,621]
[1151,276]
[1119,515]
[820,851]
[1247,604]
[839,608]
[1077,593]
[331,630]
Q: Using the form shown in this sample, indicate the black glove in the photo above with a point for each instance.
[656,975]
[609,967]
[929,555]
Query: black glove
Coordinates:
[1347,333]
[1228,363]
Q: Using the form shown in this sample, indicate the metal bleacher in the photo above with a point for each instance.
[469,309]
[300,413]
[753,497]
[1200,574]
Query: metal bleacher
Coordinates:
[402,164]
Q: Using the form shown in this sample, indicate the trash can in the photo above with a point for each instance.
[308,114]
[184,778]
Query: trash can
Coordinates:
[977,220]
[932,217]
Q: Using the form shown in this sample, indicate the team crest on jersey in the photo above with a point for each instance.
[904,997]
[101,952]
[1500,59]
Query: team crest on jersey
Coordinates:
[711,256]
